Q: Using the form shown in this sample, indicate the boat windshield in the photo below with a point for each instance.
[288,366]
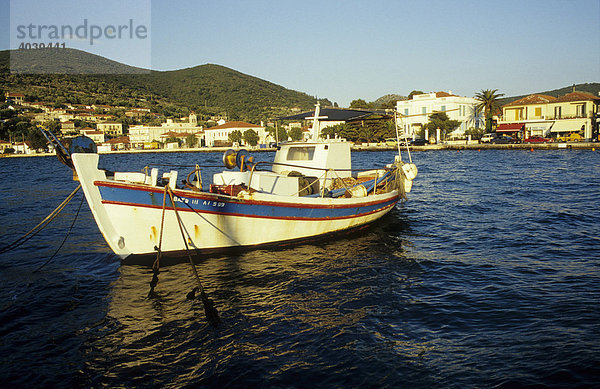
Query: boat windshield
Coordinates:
[305,153]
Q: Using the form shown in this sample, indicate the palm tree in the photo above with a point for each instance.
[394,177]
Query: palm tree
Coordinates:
[488,101]
[475,116]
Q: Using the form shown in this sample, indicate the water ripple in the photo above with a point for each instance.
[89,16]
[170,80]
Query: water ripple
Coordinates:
[487,277]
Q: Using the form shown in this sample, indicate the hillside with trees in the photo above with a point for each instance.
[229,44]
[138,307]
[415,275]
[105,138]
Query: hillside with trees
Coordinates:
[207,89]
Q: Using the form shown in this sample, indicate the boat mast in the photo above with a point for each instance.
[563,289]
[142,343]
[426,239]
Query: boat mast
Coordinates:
[315,128]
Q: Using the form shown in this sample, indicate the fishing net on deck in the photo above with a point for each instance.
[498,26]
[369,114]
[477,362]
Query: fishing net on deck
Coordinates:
[346,182]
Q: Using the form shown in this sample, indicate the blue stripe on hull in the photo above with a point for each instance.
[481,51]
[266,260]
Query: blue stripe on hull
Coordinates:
[152,198]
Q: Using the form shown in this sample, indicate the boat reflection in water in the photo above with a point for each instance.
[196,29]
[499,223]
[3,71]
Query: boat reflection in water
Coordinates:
[275,304]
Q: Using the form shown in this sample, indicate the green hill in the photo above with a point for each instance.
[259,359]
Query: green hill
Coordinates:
[90,79]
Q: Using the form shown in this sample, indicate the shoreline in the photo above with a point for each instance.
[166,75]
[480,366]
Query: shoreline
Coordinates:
[483,146]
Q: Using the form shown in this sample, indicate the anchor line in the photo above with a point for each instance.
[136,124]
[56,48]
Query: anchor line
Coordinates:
[156,264]
[65,239]
[35,230]
[209,308]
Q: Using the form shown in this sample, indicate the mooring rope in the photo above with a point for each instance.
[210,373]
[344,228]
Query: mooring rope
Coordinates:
[35,230]
[156,264]
[209,308]
[65,239]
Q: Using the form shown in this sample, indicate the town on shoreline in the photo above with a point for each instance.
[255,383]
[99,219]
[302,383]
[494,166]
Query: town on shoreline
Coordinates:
[428,121]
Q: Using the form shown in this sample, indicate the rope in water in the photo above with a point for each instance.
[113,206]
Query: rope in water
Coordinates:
[35,230]
[209,308]
[156,264]
[65,239]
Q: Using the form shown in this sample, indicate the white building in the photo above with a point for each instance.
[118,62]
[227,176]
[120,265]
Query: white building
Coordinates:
[110,128]
[21,148]
[67,127]
[219,135]
[139,135]
[415,112]
[95,135]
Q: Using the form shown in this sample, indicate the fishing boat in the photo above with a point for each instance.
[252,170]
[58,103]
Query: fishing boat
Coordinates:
[308,190]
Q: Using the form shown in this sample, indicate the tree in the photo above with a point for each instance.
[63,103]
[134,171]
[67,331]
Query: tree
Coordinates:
[23,127]
[366,133]
[174,139]
[388,105]
[476,133]
[282,134]
[475,117]
[337,131]
[296,134]
[488,102]
[359,103]
[440,120]
[191,140]
[52,125]
[235,136]
[413,93]
[36,140]
[251,137]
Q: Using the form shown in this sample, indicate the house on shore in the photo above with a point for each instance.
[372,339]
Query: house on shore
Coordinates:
[415,112]
[142,136]
[548,116]
[110,128]
[95,135]
[219,135]
[120,143]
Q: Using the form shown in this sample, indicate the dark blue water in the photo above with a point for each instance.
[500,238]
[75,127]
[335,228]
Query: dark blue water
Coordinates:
[489,276]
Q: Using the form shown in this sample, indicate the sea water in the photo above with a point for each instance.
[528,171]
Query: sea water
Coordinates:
[489,276]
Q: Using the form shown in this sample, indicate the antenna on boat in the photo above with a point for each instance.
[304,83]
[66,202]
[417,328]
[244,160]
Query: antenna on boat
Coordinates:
[315,128]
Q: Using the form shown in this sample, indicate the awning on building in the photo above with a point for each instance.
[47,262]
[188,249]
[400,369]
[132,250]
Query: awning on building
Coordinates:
[566,126]
[510,127]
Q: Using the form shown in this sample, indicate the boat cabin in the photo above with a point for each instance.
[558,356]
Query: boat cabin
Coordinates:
[312,159]
[299,169]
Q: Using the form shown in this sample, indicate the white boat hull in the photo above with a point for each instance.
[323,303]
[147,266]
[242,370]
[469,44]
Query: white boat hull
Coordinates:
[129,215]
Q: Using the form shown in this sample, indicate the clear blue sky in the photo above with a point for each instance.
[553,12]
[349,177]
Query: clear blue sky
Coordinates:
[343,50]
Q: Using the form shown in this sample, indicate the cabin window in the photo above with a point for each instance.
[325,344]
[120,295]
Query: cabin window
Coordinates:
[301,153]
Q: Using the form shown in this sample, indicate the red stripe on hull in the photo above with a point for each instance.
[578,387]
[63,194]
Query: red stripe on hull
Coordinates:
[182,209]
[213,196]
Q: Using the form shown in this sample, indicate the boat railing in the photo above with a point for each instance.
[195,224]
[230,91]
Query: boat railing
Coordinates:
[327,175]
[370,186]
